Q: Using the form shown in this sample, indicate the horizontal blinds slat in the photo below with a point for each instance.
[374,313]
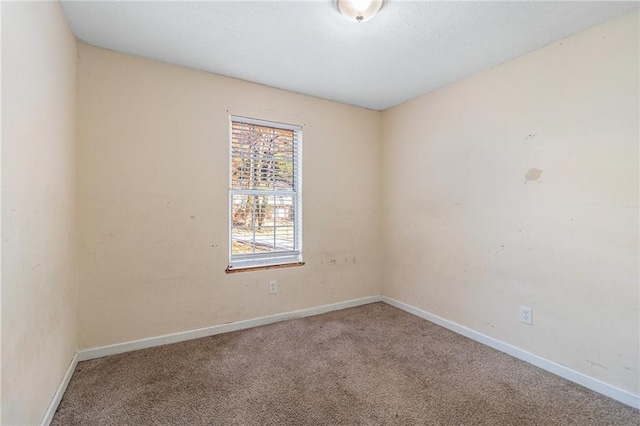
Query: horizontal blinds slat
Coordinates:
[262,192]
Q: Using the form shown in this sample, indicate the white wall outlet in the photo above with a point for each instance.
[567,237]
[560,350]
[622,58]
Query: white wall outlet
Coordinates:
[526,315]
[273,287]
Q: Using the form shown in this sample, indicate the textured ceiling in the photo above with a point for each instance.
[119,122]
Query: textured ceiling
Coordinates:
[409,49]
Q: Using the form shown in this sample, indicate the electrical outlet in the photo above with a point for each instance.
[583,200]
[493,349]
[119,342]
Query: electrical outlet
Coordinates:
[526,315]
[273,287]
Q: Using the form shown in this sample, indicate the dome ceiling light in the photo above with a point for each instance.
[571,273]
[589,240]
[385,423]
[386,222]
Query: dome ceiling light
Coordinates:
[359,10]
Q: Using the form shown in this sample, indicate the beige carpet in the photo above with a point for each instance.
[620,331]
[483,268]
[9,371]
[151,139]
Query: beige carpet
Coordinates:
[370,365]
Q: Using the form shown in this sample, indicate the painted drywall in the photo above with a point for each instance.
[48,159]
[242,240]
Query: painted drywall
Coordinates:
[0,219]
[38,207]
[153,200]
[519,186]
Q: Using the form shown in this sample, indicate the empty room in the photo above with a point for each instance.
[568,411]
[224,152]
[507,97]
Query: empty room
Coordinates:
[322,212]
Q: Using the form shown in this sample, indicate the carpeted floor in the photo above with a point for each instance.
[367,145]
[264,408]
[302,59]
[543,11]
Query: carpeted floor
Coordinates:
[369,365]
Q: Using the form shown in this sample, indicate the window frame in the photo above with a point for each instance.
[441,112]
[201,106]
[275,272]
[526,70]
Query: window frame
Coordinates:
[276,259]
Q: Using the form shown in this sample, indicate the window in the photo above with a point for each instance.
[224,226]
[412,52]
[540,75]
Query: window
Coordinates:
[265,225]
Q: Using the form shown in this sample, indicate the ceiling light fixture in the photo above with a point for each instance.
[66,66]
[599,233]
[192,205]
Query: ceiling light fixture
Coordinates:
[359,10]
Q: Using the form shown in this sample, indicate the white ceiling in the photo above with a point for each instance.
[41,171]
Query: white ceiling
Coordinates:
[410,48]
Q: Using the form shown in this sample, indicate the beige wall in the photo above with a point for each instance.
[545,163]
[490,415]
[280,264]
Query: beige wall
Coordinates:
[153,181]
[468,230]
[38,191]
[472,233]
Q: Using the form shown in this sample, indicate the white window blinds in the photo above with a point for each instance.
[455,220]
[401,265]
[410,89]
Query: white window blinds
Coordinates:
[264,194]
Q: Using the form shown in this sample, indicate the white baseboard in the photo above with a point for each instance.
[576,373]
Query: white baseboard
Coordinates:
[87,354]
[57,397]
[550,366]
[560,370]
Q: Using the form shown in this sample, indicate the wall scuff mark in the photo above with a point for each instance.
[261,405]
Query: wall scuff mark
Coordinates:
[532,175]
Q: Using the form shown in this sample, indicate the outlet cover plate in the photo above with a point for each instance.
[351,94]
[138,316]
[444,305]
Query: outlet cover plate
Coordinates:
[526,315]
